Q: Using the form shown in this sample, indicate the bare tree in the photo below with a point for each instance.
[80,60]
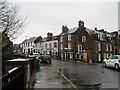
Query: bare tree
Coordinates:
[10,22]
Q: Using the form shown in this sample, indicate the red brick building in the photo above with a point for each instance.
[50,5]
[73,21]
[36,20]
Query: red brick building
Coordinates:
[81,43]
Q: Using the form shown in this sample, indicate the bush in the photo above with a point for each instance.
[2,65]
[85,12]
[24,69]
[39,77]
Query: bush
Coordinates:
[5,56]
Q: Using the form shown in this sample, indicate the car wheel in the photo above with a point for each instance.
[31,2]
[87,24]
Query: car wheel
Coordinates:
[50,61]
[104,64]
[116,66]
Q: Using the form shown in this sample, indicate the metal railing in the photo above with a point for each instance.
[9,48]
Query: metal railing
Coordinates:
[13,79]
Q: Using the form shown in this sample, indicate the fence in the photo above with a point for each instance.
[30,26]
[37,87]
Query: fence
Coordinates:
[13,79]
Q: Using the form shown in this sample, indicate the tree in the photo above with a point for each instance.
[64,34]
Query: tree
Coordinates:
[10,27]
[10,23]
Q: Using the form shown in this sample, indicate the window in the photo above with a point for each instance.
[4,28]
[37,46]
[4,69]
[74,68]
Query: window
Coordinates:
[110,57]
[79,48]
[110,47]
[35,44]
[40,44]
[46,45]
[115,57]
[50,45]
[55,44]
[110,54]
[69,45]
[106,47]
[83,38]
[61,39]
[69,37]
[28,44]
[61,55]
[98,36]
[107,55]
[61,46]
[99,47]
[104,55]
[99,57]
[71,55]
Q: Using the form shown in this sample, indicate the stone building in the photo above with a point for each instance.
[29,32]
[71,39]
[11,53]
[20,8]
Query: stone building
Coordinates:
[81,43]
[47,45]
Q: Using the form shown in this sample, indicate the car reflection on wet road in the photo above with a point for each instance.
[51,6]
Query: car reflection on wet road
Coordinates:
[67,74]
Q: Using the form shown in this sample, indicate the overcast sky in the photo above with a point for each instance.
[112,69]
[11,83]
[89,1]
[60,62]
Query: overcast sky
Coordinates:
[43,17]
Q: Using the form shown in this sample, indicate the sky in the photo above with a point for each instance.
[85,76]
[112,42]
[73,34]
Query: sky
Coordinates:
[50,16]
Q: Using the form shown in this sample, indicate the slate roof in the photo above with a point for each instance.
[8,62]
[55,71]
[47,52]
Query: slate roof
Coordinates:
[102,35]
[29,40]
[47,39]
[72,30]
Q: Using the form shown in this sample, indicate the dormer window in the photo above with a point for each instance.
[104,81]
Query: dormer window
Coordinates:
[83,38]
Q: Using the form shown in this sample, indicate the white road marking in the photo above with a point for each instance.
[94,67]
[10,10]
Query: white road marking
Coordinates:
[73,85]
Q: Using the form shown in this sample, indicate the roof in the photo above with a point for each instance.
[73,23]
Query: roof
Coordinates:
[102,35]
[29,40]
[46,39]
[72,30]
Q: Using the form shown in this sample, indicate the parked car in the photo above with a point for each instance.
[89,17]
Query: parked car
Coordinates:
[28,55]
[36,54]
[18,53]
[112,61]
[45,59]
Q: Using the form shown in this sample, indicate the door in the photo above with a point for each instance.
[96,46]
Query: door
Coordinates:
[116,51]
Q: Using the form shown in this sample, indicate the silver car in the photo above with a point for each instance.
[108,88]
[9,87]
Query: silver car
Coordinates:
[112,61]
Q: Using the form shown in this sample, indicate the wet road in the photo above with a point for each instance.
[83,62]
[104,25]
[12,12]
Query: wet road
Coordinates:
[49,77]
[78,74]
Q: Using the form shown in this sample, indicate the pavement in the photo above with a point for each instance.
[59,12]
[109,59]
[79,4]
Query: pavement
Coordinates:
[49,77]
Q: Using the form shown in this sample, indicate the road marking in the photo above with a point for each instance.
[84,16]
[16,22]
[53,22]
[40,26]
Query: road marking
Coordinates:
[73,85]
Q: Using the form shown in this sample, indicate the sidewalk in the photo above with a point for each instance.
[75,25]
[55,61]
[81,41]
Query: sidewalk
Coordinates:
[49,77]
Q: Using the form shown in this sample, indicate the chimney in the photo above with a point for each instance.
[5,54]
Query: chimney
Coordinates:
[81,24]
[95,28]
[64,28]
[49,35]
